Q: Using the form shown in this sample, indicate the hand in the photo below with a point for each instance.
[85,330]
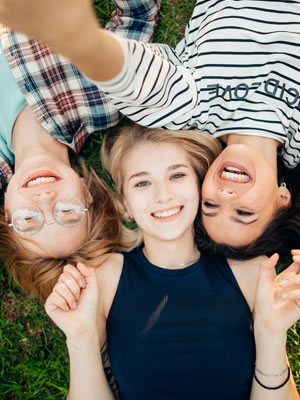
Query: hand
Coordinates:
[59,23]
[277,304]
[73,303]
[290,279]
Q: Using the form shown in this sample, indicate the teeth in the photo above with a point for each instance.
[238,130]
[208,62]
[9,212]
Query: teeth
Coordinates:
[235,177]
[41,180]
[234,169]
[169,213]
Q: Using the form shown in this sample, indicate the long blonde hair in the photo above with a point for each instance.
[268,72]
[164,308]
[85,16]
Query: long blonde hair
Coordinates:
[37,275]
[201,149]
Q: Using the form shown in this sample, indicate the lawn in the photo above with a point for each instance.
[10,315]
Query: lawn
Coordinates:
[33,356]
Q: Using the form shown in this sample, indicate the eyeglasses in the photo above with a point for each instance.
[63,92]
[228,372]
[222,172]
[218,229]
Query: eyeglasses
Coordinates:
[29,220]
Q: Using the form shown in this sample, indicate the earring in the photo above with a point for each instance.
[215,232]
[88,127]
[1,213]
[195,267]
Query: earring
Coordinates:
[127,215]
[283,185]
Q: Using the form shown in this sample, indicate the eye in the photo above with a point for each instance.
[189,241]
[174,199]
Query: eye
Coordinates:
[244,213]
[142,184]
[67,210]
[177,176]
[210,205]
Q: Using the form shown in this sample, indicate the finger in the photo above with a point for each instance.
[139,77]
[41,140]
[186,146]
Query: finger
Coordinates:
[71,283]
[295,252]
[54,302]
[292,295]
[76,274]
[66,294]
[296,258]
[292,269]
[267,267]
[291,280]
[88,273]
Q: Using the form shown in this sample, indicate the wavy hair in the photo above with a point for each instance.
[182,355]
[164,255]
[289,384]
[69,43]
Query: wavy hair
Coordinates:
[201,149]
[37,275]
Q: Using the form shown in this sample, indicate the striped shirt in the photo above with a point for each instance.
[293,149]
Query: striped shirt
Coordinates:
[67,104]
[236,70]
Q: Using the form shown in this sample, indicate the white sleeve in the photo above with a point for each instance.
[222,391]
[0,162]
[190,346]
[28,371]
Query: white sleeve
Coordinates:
[152,89]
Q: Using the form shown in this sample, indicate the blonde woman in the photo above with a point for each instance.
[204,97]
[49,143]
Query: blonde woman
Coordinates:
[178,324]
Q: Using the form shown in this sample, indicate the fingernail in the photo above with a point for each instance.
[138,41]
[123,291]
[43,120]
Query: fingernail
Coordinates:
[285,296]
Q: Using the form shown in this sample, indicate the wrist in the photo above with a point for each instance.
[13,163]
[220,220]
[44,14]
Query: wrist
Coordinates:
[83,340]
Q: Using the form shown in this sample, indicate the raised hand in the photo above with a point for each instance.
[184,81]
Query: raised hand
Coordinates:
[277,305]
[59,23]
[73,303]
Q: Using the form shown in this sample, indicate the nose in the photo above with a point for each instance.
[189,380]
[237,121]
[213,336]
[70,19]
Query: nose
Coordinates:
[163,193]
[43,196]
[226,194]
[44,200]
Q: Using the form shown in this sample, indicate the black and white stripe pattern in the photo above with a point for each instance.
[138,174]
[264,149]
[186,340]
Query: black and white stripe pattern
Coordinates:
[236,70]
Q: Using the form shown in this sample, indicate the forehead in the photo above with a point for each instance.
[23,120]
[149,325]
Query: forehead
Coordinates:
[152,156]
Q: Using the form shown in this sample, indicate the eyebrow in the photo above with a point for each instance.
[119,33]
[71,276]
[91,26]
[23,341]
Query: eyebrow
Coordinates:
[239,221]
[145,173]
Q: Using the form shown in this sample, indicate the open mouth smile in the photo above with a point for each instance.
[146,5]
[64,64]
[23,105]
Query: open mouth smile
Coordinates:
[166,215]
[234,174]
[40,178]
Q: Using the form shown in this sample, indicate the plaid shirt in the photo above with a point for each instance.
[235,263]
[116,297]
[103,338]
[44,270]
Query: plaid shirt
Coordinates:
[66,104]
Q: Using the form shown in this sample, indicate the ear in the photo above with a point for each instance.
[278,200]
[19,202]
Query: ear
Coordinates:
[124,201]
[87,194]
[285,198]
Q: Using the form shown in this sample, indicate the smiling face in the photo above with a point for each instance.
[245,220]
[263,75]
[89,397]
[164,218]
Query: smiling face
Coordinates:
[240,195]
[160,191]
[41,182]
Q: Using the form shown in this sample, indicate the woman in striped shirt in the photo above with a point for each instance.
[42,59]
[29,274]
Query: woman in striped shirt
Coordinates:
[235,75]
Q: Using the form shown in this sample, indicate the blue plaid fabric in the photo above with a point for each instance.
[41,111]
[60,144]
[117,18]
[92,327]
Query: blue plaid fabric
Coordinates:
[66,104]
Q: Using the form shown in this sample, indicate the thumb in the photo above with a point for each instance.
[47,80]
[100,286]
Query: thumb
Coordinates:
[88,273]
[266,268]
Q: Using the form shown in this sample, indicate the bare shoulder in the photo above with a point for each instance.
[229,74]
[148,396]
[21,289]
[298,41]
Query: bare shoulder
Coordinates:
[246,273]
[108,277]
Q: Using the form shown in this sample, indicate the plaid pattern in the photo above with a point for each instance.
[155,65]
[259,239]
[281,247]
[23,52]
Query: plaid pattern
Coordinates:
[67,104]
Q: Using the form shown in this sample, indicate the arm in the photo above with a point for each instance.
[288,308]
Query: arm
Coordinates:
[134,19]
[145,82]
[75,307]
[274,314]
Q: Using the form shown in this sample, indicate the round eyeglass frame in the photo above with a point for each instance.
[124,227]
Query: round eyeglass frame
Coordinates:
[84,210]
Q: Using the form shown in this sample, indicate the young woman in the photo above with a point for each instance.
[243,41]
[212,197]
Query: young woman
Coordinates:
[52,213]
[178,324]
[234,75]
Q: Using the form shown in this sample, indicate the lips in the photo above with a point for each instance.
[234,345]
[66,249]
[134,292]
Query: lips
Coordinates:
[168,213]
[41,178]
[233,173]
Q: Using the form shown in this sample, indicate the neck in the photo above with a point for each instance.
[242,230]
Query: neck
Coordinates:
[266,147]
[171,253]
[30,138]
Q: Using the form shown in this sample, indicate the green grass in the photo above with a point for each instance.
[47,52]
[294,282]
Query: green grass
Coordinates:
[33,355]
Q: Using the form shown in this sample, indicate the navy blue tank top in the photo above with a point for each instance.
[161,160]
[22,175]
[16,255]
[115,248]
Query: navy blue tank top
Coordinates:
[180,334]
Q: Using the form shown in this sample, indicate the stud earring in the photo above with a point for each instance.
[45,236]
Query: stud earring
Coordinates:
[127,215]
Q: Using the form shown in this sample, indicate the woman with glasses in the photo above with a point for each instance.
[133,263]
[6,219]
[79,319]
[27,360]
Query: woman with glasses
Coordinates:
[54,213]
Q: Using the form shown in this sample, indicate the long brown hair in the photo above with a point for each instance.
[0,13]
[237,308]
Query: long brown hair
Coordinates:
[201,149]
[37,275]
